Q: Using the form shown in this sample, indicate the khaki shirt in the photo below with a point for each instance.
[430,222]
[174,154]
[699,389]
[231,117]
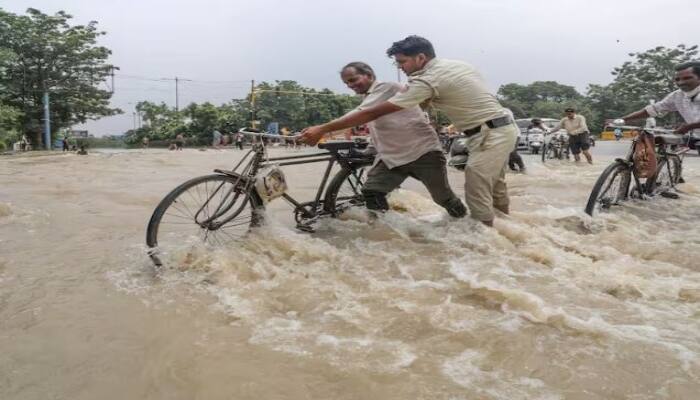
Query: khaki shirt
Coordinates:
[574,126]
[455,88]
[400,137]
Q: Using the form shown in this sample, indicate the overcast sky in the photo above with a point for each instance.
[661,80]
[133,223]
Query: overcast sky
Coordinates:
[222,45]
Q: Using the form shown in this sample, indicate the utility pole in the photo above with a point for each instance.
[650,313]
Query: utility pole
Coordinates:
[253,122]
[177,100]
[398,73]
[177,93]
[47,121]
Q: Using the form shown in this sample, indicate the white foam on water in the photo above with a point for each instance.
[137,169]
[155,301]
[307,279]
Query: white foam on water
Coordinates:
[471,370]
[363,293]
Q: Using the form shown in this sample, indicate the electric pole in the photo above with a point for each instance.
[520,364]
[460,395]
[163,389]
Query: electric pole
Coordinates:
[177,93]
[253,122]
[47,121]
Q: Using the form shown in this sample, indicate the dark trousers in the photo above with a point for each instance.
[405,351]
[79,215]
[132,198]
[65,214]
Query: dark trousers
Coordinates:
[430,169]
[515,159]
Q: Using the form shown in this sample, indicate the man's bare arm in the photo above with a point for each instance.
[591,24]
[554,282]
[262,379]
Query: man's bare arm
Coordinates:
[313,134]
[360,117]
[636,115]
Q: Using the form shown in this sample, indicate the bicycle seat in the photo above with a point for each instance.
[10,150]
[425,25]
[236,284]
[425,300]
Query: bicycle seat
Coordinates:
[367,152]
[335,145]
[669,139]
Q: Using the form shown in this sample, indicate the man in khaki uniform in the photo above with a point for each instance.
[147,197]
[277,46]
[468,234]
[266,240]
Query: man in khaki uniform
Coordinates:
[457,89]
[575,125]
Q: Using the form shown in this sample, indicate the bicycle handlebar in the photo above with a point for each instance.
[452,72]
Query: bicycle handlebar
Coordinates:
[269,135]
[641,128]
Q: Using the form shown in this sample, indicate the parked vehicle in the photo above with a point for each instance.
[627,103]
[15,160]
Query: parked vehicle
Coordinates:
[525,127]
[535,140]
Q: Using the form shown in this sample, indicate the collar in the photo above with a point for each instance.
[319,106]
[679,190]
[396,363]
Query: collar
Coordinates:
[693,94]
[372,87]
[427,65]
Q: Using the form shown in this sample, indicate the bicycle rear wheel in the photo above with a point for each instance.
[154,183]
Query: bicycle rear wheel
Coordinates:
[668,173]
[345,190]
[610,189]
[210,211]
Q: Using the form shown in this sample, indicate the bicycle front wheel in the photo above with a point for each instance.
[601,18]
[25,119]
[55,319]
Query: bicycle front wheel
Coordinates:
[610,189]
[208,211]
[345,190]
[549,153]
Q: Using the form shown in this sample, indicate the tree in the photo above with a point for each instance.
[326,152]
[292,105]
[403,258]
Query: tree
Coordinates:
[530,100]
[9,122]
[650,75]
[39,53]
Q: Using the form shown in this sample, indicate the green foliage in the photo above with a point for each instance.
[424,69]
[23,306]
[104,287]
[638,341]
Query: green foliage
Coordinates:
[539,99]
[40,52]
[649,76]
[9,121]
[286,102]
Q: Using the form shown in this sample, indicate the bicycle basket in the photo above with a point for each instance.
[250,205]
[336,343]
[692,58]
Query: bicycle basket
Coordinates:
[270,183]
[644,156]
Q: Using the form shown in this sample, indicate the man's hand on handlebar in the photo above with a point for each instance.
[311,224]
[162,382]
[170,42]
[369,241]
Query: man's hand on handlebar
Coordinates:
[683,128]
[311,135]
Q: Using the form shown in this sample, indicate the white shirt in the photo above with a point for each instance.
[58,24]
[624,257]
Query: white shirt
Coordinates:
[680,102]
[402,136]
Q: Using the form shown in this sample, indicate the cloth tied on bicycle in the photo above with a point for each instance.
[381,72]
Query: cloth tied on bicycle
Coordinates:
[270,183]
[644,156]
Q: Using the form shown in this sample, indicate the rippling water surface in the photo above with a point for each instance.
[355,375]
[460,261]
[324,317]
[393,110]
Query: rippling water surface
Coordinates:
[549,304]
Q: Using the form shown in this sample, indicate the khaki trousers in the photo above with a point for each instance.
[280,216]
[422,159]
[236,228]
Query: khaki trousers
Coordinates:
[484,175]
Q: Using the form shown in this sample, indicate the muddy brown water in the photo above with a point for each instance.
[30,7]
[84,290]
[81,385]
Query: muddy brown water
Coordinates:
[549,304]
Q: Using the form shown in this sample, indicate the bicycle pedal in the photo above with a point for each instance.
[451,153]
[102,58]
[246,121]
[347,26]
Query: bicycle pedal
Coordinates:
[305,228]
[670,195]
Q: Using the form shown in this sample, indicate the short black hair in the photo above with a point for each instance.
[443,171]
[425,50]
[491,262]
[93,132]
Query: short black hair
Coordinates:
[695,65]
[412,46]
[569,109]
[361,68]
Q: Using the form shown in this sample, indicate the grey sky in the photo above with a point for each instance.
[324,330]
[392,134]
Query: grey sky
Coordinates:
[222,45]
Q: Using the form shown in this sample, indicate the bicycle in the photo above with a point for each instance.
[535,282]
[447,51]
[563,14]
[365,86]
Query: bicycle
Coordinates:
[219,209]
[557,147]
[613,185]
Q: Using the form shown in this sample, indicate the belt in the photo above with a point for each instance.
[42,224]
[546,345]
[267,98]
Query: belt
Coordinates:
[494,123]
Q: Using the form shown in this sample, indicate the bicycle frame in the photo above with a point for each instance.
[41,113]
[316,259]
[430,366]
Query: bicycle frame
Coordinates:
[257,159]
[661,150]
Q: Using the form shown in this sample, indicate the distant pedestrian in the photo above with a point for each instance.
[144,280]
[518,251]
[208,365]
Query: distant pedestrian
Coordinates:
[575,126]
[239,140]
[179,141]
[145,142]
[66,146]
[216,138]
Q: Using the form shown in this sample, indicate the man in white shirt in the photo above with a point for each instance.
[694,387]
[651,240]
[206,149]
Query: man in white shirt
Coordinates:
[406,144]
[685,100]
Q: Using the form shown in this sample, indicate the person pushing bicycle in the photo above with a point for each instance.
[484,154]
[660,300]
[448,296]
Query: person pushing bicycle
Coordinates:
[685,100]
[406,144]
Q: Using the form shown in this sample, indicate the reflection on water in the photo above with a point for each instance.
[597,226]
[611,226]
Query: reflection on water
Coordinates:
[549,304]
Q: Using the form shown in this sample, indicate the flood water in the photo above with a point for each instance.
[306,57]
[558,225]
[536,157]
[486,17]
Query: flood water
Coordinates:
[548,304]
